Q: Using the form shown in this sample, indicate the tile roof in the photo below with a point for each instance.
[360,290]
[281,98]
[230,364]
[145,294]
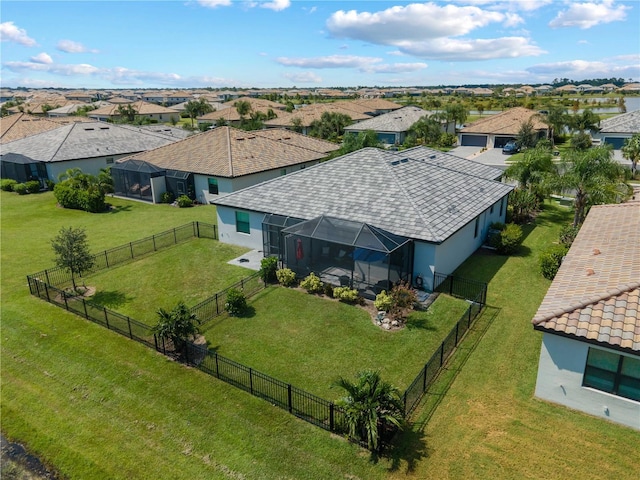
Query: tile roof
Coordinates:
[142,108]
[595,292]
[505,123]
[624,123]
[309,113]
[406,196]
[21,125]
[463,165]
[86,140]
[396,121]
[230,152]
[305,141]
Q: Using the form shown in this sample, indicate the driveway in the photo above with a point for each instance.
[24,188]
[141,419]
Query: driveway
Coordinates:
[493,156]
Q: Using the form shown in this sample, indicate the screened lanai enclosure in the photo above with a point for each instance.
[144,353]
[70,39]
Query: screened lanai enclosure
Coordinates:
[341,252]
[133,178]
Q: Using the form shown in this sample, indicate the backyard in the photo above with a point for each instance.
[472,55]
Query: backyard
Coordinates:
[97,405]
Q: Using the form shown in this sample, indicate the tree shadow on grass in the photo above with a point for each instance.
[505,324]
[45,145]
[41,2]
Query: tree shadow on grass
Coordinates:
[248,312]
[409,447]
[419,323]
[110,299]
[118,208]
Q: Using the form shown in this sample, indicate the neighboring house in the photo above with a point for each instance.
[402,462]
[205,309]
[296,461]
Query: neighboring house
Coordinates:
[71,109]
[372,106]
[143,109]
[496,130]
[590,319]
[88,146]
[371,217]
[216,162]
[21,125]
[616,130]
[307,114]
[22,169]
[391,128]
[229,113]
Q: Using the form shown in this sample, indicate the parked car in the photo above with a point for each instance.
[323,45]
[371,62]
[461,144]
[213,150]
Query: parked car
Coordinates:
[510,148]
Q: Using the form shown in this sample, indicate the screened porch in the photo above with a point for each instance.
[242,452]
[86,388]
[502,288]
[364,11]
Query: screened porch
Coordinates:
[347,253]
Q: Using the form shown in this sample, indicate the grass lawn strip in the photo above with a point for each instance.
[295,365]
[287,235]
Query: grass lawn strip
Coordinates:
[191,271]
[309,341]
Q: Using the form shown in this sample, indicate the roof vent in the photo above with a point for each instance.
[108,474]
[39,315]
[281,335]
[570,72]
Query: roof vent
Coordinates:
[395,162]
[404,160]
[433,156]
[87,129]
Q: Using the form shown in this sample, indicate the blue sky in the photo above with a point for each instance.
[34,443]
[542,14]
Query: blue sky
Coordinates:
[285,43]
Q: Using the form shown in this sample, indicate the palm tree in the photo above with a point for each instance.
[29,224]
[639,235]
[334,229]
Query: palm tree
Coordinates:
[370,406]
[595,178]
[534,172]
[631,151]
[178,325]
[243,107]
[196,108]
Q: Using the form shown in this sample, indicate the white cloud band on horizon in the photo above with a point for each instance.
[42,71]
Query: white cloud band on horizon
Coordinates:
[363,64]
[587,15]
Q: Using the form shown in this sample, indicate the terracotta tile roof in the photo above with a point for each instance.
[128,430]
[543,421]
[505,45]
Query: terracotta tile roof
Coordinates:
[21,125]
[143,108]
[230,152]
[595,293]
[309,113]
[299,140]
[506,123]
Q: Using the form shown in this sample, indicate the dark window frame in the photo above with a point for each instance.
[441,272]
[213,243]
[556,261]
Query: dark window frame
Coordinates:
[214,189]
[594,375]
[243,226]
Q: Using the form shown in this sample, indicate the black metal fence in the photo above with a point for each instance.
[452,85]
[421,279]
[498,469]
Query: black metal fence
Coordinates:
[473,292]
[57,276]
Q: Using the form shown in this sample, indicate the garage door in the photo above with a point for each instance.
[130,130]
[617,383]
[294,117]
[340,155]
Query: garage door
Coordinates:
[501,141]
[617,142]
[473,141]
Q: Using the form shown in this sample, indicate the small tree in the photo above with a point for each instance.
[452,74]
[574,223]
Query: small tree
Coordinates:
[268,267]
[178,325]
[631,151]
[72,252]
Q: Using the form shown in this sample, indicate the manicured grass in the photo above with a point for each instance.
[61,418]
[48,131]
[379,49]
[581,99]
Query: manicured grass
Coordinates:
[309,341]
[190,271]
[99,406]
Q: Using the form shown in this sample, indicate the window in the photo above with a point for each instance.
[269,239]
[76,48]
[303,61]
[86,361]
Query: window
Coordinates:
[612,373]
[283,171]
[213,186]
[109,161]
[475,231]
[242,222]
[501,206]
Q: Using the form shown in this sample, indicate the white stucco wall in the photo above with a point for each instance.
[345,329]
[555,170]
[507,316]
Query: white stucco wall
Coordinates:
[424,262]
[560,373]
[158,187]
[91,166]
[227,228]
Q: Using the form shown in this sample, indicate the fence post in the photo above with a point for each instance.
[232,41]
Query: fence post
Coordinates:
[198,229]
[64,295]
[129,323]
[31,288]
[106,317]
[84,304]
[217,306]
[289,397]
[441,353]
[450,285]
[217,366]
[469,320]
[175,239]
[131,248]
[46,289]
[251,380]
[155,341]
[153,238]
[331,417]
[106,259]
[457,325]
[424,379]
[186,352]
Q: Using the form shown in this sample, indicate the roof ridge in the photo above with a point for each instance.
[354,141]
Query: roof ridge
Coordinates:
[229,152]
[612,292]
[73,125]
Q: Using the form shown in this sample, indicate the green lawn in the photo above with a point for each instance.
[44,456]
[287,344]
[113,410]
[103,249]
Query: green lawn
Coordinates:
[309,341]
[190,271]
[99,406]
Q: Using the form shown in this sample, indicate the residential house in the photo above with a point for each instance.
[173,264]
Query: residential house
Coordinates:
[496,130]
[88,146]
[391,128]
[216,162]
[369,106]
[590,320]
[616,130]
[307,114]
[370,218]
[229,113]
[21,125]
[143,109]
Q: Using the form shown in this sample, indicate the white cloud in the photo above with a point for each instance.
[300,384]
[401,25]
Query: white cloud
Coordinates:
[214,3]
[433,31]
[396,68]
[42,58]
[10,33]
[303,77]
[69,46]
[58,69]
[623,66]
[587,15]
[362,64]
[276,5]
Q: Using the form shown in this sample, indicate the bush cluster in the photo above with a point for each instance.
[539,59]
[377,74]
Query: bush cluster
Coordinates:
[236,302]
[167,197]
[69,196]
[20,188]
[286,277]
[383,301]
[568,234]
[551,259]
[7,184]
[184,201]
[507,238]
[313,284]
[268,268]
[346,294]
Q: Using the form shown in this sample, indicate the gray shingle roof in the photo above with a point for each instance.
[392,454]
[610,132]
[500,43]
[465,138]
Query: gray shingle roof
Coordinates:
[396,121]
[405,196]
[87,140]
[453,162]
[624,123]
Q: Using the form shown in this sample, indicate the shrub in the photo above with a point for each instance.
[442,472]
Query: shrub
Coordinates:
[268,267]
[167,197]
[522,204]
[509,239]
[7,184]
[20,188]
[551,259]
[286,277]
[313,284]
[33,186]
[383,301]
[568,234]
[404,298]
[92,201]
[580,141]
[69,196]
[184,201]
[328,290]
[50,184]
[236,302]
[346,294]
